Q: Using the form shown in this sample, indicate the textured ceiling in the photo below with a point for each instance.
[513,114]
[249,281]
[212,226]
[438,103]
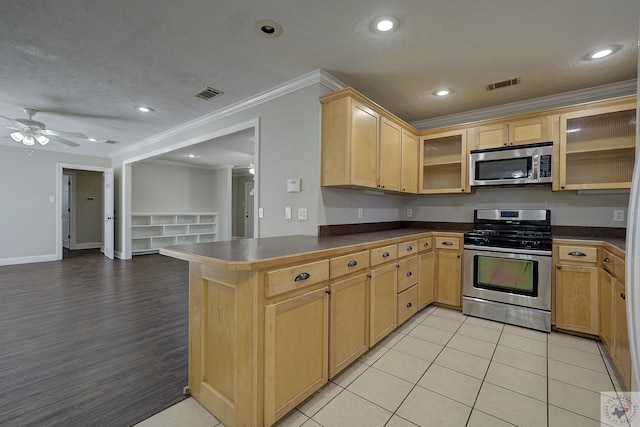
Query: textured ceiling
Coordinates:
[85,64]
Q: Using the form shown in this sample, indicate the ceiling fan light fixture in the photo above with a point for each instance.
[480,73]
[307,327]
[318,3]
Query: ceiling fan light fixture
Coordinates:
[28,140]
[42,140]
[17,136]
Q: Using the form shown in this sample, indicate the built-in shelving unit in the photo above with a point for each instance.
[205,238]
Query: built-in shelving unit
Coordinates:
[152,231]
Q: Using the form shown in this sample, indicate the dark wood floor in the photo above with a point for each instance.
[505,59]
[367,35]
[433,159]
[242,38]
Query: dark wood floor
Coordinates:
[87,341]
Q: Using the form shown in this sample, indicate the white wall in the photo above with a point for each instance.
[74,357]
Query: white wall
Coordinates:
[165,187]
[567,207]
[220,188]
[27,216]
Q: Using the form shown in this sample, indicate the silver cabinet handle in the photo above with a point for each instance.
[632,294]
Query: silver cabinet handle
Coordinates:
[409,305]
[409,274]
[352,263]
[302,276]
[623,296]
[425,244]
[447,243]
[409,248]
[385,255]
[606,260]
[576,253]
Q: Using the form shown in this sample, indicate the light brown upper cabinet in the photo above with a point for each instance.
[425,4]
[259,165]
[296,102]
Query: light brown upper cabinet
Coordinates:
[409,167]
[365,146]
[597,147]
[515,132]
[350,133]
[444,162]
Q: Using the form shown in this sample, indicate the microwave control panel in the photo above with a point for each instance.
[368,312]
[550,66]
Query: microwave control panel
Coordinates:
[545,166]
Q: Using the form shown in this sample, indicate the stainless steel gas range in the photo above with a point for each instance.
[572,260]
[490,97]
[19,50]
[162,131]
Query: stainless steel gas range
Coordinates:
[507,267]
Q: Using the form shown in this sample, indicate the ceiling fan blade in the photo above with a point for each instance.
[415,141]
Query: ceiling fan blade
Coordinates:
[62,140]
[62,134]
[8,119]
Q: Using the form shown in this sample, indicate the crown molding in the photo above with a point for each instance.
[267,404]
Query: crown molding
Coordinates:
[314,77]
[628,87]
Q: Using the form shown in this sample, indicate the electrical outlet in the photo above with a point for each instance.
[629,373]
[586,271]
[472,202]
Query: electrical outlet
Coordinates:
[409,213]
[287,212]
[302,214]
[359,212]
[618,215]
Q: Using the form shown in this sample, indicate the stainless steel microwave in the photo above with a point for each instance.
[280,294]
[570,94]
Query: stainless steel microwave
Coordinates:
[515,165]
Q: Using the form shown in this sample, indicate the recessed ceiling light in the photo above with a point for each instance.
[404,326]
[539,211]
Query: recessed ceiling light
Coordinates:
[191,155]
[268,28]
[443,92]
[601,53]
[385,24]
[144,109]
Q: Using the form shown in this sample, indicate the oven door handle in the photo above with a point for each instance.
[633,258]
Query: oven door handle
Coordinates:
[507,250]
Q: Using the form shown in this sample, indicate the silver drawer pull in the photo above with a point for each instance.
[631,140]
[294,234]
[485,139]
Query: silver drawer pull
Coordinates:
[623,296]
[409,248]
[576,253]
[425,244]
[409,305]
[302,276]
[447,243]
[352,263]
[606,260]
[409,274]
[385,255]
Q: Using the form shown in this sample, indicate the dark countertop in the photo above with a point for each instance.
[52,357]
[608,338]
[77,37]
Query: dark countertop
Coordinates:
[619,243]
[244,254]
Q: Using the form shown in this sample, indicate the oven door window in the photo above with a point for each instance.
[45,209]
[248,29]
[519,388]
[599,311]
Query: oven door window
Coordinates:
[516,276]
[495,170]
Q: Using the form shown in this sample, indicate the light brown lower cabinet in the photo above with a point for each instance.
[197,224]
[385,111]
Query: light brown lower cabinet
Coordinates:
[348,321]
[606,289]
[383,287]
[449,271]
[621,350]
[577,298]
[426,278]
[296,349]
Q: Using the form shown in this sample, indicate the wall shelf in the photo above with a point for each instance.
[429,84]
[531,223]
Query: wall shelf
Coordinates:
[152,231]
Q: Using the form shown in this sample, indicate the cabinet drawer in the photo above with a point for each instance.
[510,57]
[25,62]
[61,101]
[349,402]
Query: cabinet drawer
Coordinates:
[452,243]
[407,272]
[407,304]
[407,248]
[578,253]
[296,277]
[425,244]
[383,254]
[339,266]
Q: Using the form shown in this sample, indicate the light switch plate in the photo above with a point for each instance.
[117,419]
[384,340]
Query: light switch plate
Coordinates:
[287,212]
[260,212]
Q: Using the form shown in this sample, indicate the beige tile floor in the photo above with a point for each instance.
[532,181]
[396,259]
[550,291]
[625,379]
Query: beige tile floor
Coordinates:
[442,368]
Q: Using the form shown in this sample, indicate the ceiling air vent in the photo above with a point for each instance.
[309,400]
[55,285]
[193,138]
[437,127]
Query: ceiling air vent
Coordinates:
[207,93]
[504,83]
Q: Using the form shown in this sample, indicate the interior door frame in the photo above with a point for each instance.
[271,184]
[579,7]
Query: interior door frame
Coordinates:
[125,211]
[60,167]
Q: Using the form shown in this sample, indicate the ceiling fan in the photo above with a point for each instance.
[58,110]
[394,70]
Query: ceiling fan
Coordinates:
[29,131]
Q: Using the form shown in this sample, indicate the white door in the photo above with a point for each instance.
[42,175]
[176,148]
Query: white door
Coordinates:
[108,216]
[66,231]
[248,209]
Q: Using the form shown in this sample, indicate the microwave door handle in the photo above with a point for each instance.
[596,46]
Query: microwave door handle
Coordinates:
[536,166]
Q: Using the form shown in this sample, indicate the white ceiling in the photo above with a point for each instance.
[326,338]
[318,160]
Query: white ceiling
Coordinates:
[85,64]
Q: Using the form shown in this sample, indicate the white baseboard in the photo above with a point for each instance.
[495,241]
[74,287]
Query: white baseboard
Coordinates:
[28,259]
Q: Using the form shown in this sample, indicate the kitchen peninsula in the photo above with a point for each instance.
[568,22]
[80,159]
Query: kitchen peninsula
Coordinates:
[272,319]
